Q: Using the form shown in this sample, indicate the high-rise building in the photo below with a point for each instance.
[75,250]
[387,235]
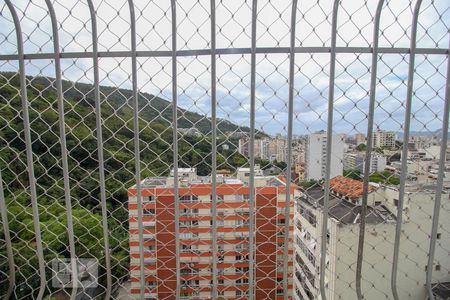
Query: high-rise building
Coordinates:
[342,241]
[260,148]
[384,139]
[195,236]
[315,156]
[243,147]
[360,138]
[356,161]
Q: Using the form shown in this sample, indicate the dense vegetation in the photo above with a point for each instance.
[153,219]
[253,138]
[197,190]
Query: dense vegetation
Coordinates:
[156,159]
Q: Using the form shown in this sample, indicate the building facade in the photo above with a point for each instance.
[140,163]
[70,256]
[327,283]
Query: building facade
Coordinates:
[356,161]
[360,138]
[315,156]
[384,139]
[342,242]
[195,240]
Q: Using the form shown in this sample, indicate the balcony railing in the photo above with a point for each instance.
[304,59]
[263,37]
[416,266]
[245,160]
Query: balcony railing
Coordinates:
[98,97]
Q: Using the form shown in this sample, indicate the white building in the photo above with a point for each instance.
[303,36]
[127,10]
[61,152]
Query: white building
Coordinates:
[243,174]
[384,139]
[343,231]
[315,156]
[356,161]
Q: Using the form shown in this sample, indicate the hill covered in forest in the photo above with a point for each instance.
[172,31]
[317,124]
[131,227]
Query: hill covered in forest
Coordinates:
[156,157]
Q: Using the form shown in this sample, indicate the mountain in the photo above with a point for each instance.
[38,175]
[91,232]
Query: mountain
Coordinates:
[155,135]
[156,159]
[437,134]
[151,107]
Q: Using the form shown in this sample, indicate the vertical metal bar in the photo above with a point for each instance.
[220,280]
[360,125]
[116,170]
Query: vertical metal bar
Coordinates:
[252,199]
[9,251]
[214,149]
[439,184]
[137,151]
[101,168]
[287,208]
[401,193]
[373,79]
[64,153]
[323,242]
[175,143]
[30,167]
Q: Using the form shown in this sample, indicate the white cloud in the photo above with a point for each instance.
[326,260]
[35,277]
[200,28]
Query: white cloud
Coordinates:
[153,25]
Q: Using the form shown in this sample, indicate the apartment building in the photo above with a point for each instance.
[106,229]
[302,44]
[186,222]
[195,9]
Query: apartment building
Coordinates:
[360,138]
[356,161]
[384,139]
[195,240]
[315,156]
[260,148]
[342,241]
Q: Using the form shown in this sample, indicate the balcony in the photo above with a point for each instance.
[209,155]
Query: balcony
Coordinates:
[118,117]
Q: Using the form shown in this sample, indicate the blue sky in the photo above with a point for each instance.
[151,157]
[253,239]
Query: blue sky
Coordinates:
[233,71]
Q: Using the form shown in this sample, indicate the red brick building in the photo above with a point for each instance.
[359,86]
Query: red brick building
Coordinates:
[195,239]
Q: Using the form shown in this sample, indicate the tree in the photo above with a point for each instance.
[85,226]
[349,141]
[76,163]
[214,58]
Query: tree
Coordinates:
[361,147]
[353,174]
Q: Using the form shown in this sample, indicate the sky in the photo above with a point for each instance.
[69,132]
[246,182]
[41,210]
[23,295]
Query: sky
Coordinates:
[233,30]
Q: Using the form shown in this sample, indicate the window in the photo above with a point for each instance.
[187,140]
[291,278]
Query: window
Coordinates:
[438,267]
[242,281]
[188,271]
[220,281]
[184,224]
[185,235]
[148,212]
[149,199]
[242,269]
[438,236]
[220,223]
[396,202]
[185,198]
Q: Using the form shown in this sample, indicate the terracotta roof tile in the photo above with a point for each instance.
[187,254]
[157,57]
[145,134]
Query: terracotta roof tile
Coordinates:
[351,188]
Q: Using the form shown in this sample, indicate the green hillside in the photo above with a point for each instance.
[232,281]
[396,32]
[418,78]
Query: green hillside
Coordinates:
[156,160]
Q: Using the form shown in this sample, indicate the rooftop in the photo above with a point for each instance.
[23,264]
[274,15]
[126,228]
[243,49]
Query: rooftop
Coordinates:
[351,188]
[345,211]
[187,181]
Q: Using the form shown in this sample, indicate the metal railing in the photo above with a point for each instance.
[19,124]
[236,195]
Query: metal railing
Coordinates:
[304,45]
